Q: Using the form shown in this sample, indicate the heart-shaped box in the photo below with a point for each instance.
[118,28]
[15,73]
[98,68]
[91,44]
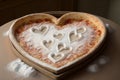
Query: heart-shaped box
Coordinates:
[68,36]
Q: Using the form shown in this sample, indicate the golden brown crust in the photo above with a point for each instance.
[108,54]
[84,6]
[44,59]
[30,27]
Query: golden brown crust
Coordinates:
[36,53]
[26,22]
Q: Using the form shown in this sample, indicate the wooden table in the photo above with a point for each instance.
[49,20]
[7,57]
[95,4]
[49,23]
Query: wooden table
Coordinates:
[105,67]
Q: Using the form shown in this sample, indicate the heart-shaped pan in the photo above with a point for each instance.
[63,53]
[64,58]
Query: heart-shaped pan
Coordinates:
[56,60]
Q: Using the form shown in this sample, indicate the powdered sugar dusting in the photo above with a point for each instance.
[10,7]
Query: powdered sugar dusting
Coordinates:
[21,68]
[41,36]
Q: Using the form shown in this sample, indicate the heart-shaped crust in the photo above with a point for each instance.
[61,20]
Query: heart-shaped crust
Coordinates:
[58,36]
[41,30]
[73,36]
[56,44]
[61,47]
[56,57]
[47,44]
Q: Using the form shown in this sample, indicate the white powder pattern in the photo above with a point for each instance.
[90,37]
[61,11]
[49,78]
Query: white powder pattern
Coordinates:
[21,68]
[36,39]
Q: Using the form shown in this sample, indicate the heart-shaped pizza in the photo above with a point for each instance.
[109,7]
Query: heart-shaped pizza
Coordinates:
[57,43]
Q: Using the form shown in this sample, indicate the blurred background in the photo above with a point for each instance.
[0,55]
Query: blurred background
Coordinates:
[12,9]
